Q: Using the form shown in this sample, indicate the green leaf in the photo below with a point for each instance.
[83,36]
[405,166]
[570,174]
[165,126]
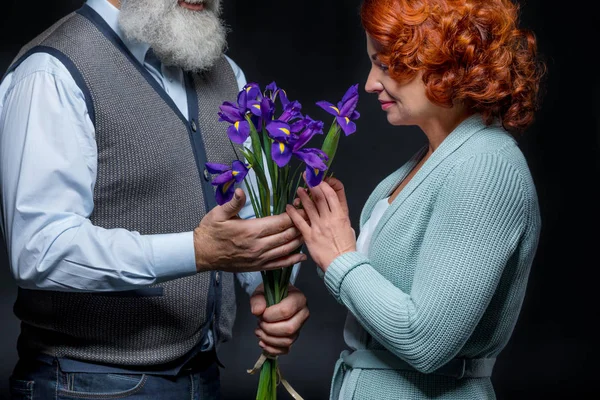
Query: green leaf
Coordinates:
[331,142]
[263,185]
[265,384]
[256,147]
[253,200]
[293,188]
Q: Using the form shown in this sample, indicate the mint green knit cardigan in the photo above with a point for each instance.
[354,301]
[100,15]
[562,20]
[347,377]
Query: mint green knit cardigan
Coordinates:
[448,266]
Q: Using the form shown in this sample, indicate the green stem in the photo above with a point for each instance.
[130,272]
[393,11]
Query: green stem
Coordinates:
[274,379]
[256,143]
[268,287]
[255,205]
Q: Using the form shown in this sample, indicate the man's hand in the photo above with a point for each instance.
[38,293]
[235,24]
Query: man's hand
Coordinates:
[225,242]
[279,325]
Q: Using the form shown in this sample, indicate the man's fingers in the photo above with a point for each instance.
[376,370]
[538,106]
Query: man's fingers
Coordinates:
[286,261]
[234,206]
[286,328]
[276,254]
[270,225]
[280,239]
[274,351]
[258,303]
[275,341]
[287,308]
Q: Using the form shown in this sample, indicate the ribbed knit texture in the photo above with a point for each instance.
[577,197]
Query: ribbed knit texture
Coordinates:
[148,182]
[448,266]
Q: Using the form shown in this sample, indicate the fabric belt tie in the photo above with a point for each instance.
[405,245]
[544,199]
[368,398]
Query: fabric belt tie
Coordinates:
[457,368]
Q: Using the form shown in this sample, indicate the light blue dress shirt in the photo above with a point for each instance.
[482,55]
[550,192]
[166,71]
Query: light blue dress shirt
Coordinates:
[48,166]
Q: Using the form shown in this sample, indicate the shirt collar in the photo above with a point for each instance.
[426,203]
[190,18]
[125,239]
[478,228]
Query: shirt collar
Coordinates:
[110,14]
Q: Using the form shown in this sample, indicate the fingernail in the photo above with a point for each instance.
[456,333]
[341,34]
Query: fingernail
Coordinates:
[237,196]
[261,344]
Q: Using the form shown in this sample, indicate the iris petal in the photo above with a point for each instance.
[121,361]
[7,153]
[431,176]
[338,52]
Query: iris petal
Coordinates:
[223,178]
[281,153]
[224,193]
[314,176]
[279,130]
[239,132]
[215,168]
[327,106]
[347,125]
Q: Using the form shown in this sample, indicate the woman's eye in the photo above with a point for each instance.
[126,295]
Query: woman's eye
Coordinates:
[383,67]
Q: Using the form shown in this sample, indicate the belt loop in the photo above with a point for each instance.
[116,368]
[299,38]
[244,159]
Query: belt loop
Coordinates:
[463,367]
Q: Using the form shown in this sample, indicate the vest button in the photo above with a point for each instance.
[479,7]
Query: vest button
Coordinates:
[217,277]
[193,125]
[206,175]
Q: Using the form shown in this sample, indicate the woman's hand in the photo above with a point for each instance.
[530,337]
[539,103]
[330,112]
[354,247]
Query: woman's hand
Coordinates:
[328,233]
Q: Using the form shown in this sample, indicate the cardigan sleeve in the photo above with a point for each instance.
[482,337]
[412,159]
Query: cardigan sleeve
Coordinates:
[474,228]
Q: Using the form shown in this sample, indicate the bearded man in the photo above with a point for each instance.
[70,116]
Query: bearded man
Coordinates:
[124,262]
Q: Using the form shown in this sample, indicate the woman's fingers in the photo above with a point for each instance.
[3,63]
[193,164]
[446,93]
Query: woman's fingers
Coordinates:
[298,219]
[338,187]
[307,204]
[320,200]
[332,198]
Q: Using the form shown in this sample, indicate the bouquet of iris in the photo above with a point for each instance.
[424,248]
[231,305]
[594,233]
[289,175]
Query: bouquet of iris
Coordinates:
[278,134]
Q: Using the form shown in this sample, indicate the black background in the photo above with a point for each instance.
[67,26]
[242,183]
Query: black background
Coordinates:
[315,49]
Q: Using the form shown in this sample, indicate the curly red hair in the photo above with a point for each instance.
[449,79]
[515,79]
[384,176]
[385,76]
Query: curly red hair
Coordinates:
[470,51]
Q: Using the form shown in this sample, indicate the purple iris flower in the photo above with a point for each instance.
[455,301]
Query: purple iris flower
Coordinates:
[291,111]
[273,92]
[266,109]
[345,111]
[313,158]
[227,178]
[252,91]
[315,164]
[283,142]
[311,128]
[239,130]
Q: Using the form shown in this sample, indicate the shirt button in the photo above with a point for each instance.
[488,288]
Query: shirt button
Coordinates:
[206,175]
[193,125]
[217,277]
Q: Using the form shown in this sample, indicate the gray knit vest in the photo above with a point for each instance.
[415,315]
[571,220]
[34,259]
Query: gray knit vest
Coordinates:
[151,179]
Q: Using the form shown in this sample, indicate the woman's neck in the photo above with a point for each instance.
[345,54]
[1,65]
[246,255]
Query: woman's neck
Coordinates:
[439,128]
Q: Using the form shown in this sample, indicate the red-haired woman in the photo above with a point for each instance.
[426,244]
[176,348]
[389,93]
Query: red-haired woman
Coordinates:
[435,282]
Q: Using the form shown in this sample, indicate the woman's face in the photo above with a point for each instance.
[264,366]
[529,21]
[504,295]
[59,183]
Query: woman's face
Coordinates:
[406,103]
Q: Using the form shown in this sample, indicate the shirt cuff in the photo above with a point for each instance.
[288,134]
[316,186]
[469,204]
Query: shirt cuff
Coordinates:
[339,268]
[173,255]
[249,281]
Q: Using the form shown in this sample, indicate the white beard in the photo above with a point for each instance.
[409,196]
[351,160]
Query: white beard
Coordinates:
[192,40]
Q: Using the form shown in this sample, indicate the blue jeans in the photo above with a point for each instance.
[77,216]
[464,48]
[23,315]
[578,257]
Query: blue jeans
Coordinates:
[33,380]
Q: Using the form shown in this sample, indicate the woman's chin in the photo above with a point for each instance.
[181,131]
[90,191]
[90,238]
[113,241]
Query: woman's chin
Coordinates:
[394,120]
